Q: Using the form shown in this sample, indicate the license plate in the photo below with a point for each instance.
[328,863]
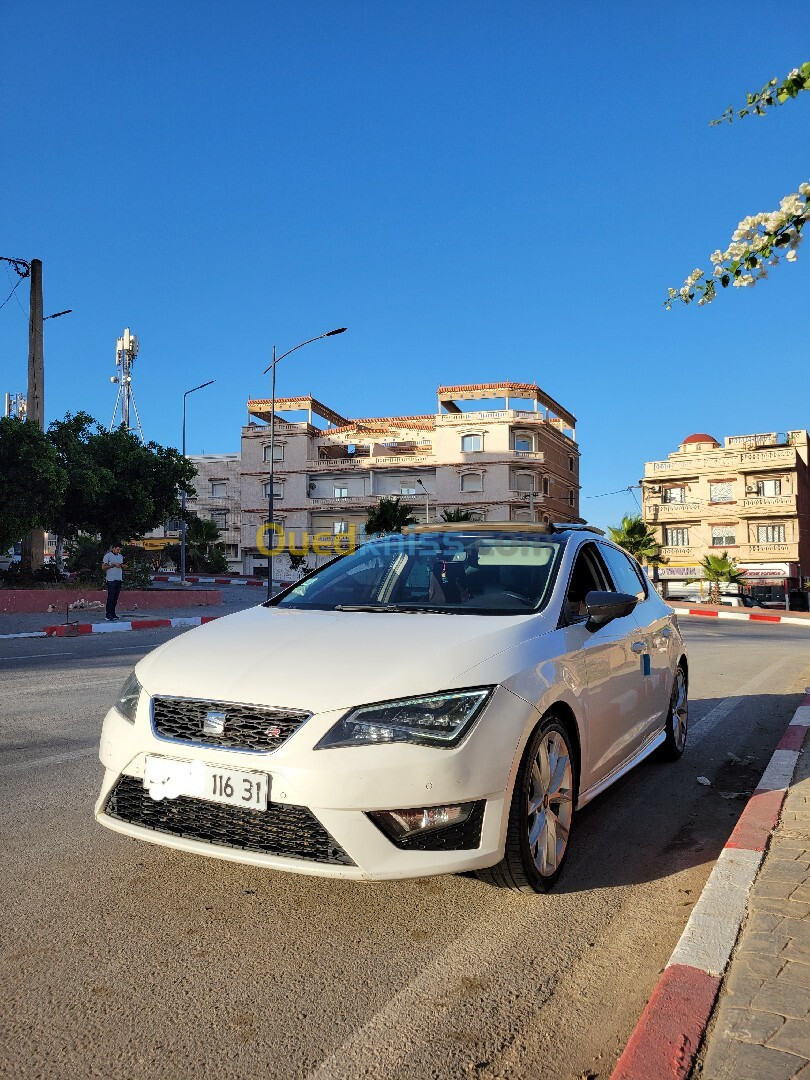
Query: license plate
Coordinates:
[168,778]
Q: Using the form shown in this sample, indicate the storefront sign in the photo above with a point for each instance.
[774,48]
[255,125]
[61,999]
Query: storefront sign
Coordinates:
[679,573]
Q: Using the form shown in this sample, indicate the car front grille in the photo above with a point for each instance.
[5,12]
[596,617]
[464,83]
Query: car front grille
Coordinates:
[291,831]
[230,725]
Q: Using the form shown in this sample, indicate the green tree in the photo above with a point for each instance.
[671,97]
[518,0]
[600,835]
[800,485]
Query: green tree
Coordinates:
[759,240]
[457,514]
[205,551]
[717,569]
[388,516]
[118,488]
[637,539]
[32,481]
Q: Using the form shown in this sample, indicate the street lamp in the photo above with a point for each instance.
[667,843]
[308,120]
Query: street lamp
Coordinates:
[183,490]
[272,368]
[427,500]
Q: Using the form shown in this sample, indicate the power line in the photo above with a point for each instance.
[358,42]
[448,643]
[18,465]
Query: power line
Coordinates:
[19,282]
[621,491]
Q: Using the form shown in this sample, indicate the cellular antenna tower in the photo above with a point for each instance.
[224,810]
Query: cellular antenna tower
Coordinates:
[126,349]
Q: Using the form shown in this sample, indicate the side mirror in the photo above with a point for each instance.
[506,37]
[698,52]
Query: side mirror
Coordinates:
[603,607]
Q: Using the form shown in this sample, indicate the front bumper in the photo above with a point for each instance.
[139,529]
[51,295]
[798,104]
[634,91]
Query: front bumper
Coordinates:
[322,796]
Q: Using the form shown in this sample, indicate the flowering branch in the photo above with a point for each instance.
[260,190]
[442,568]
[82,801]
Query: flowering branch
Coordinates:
[771,94]
[754,246]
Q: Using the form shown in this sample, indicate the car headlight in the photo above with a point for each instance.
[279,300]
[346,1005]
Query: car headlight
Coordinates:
[435,720]
[127,701]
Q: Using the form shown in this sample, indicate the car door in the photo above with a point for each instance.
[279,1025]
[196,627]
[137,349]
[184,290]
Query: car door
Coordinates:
[615,680]
[655,630]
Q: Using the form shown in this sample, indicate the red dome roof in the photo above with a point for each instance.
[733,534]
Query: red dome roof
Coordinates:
[700,438]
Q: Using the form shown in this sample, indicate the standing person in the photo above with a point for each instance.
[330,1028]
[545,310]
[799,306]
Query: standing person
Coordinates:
[113,563]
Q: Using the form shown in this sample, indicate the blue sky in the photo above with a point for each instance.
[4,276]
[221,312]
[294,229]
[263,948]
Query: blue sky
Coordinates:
[478,191]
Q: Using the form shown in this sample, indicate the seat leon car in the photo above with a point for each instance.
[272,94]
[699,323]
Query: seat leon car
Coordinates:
[432,702]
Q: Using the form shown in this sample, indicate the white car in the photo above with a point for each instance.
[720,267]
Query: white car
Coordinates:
[434,702]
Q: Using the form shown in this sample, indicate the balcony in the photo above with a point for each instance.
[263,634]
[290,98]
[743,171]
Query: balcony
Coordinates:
[727,461]
[682,554]
[787,552]
[328,464]
[673,510]
[767,505]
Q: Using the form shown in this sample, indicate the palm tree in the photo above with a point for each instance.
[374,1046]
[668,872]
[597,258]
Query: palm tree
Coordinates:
[459,515]
[717,568]
[205,552]
[637,539]
[388,516]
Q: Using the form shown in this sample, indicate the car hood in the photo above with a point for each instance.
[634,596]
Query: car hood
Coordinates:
[323,660]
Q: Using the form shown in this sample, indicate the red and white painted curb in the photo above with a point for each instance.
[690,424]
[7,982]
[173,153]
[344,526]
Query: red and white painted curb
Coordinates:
[195,580]
[668,1035]
[71,629]
[750,617]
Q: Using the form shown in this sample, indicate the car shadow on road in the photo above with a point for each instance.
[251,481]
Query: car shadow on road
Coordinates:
[661,818]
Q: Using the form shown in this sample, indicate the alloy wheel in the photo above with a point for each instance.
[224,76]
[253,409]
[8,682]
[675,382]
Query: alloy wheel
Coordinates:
[550,803]
[679,707]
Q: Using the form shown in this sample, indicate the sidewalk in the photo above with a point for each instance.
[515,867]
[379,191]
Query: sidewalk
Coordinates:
[761,1025]
[25,624]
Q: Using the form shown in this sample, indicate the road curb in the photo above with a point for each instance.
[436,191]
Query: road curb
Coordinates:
[752,617]
[668,1035]
[76,629]
[197,580]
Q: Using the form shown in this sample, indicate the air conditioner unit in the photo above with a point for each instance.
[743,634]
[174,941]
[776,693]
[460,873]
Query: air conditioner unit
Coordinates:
[750,489]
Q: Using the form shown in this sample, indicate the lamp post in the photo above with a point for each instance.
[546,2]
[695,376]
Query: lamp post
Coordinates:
[427,500]
[183,491]
[272,368]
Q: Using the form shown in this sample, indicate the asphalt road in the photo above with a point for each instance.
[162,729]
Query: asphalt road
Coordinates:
[119,958]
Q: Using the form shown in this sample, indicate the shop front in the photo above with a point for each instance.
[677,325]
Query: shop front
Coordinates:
[776,585]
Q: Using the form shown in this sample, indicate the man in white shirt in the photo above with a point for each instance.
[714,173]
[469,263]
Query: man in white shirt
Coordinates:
[113,564]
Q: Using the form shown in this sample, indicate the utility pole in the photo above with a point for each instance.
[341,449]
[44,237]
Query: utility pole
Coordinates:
[33,548]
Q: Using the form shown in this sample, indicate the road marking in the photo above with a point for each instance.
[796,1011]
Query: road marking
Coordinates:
[52,759]
[718,714]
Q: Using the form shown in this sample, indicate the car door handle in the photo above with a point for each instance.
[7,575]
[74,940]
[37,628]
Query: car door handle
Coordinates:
[639,646]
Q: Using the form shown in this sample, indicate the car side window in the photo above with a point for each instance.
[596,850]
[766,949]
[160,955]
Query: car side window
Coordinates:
[588,575]
[627,577]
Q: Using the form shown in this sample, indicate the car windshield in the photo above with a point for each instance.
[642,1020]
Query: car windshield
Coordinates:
[473,573]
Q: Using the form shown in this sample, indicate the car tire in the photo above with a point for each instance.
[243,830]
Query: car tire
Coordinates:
[540,815]
[677,727]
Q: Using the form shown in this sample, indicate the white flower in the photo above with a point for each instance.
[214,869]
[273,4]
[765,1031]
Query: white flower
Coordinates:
[719,271]
[717,256]
[791,256]
[794,74]
[685,294]
[804,189]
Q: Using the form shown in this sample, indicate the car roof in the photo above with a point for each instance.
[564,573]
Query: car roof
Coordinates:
[539,528]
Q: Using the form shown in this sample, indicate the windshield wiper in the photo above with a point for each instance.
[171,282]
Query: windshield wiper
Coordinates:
[386,608]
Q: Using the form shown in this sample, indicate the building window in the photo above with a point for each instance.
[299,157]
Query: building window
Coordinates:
[678,537]
[472,481]
[407,489]
[723,536]
[471,443]
[341,492]
[570,498]
[219,490]
[278,452]
[220,518]
[545,485]
[721,493]
[768,488]
[521,515]
[231,551]
[278,489]
[524,482]
[672,495]
[570,464]
[524,444]
[770,534]
[340,527]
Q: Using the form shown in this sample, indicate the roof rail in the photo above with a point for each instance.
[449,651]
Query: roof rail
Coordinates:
[576,526]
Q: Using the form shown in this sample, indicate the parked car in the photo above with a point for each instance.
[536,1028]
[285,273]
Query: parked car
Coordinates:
[434,702]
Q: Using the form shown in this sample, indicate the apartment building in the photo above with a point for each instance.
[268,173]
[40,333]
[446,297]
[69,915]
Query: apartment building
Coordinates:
[750,497]
[218,498]
[518,461]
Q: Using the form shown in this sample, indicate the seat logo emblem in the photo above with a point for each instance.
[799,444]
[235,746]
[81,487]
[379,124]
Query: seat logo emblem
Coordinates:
[214,723]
